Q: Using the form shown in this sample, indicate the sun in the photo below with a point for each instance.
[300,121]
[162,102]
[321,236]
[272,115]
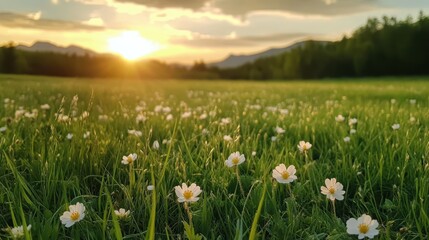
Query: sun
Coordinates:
[131,45]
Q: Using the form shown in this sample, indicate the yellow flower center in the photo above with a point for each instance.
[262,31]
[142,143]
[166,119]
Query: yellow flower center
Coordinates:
[130,159]
[187,194]
[363,228]
[285,175]
[74,216]
[332,190]
[235,160]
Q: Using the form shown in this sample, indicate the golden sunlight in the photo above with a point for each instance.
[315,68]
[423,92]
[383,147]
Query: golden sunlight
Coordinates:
[131,45]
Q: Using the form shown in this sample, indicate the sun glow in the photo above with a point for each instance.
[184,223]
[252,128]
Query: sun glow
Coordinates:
[131,45]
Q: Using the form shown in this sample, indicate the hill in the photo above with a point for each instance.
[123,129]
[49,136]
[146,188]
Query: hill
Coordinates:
[237,60]
[41,46]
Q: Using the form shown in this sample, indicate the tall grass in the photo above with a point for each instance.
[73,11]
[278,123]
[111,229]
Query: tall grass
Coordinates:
[385,172]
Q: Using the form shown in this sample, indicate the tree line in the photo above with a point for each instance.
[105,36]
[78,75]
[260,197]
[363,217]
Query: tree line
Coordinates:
[16,61]
[382,47]
[385,46]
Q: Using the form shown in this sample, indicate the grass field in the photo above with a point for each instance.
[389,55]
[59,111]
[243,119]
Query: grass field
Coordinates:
[71,152]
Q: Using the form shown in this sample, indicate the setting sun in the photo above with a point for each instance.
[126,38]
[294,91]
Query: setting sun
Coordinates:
[131,45]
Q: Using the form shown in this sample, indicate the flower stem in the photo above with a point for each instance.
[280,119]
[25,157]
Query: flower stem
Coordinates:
[305,157]
[188,211]
[131,176]
[239,181]
[290,190]
[333,206]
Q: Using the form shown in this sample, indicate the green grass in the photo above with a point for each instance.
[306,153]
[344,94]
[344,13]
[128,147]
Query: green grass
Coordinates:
[385,173]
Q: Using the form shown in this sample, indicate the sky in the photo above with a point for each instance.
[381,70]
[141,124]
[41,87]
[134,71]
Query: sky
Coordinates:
[184,31]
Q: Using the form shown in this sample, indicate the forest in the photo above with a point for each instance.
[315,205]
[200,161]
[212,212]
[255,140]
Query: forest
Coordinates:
[382,47]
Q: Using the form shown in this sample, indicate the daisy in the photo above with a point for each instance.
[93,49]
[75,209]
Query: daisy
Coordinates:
[279,130]
[284,111]
[187,194]
[235,159]
[225,121]
[69,136]
[339,118]
[129,159]
[103,117]
[205,131]
[346,139]
[186,114]
[166,109]
[76,213]
[363,227]
[352,121]
[155,145]
[135,133]
[396,126]
[283,174]
[203,116]
[121,213]
[139,108]
[304,146]
[18,232]
[45,107]
[227,138]
[333,190]
[86,134]
[84,115]
[140,118]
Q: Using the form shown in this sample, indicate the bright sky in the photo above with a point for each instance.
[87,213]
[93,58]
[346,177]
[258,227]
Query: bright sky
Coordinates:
[187,30]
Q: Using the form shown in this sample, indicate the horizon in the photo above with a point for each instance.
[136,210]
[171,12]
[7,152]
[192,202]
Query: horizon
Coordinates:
[187,31]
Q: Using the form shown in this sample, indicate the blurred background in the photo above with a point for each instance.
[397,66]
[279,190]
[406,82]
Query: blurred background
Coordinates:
[212,39]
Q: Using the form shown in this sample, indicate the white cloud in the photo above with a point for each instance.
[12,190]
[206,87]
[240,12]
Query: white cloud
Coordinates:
[120,7]
[35,15]
[92,2]
[198,40]
[329,2]
[167,15]
[127,8]
[33,20]
[94,21]
[244,7]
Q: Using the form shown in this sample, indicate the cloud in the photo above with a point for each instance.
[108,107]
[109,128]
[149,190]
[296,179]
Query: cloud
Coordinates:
[35,15]
[92,2]
[274,37]
[232,40]
[15,20]
[309,7]
[94,21]
[171,15]
[244,7]
[189,4]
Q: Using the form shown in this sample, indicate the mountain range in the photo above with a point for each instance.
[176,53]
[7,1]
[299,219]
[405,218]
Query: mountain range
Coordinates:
[50,47]
[237,60]
[230,62]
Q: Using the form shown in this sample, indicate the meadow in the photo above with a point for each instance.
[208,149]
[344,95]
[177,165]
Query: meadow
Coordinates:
[65,141]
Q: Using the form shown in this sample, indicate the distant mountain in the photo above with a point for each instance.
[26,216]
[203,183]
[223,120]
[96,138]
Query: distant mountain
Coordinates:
[237,60]
[49,47]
